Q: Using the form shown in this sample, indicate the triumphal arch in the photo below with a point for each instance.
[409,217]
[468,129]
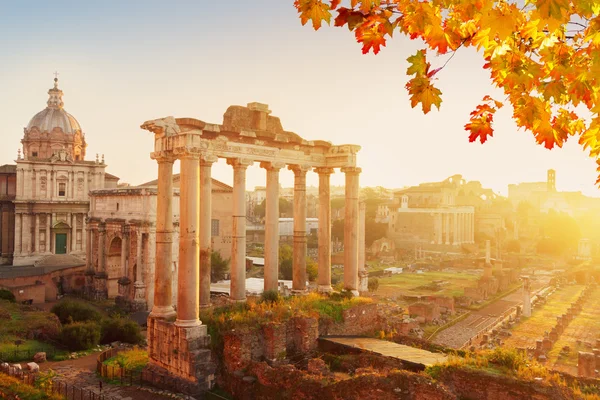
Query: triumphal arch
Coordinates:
[247,135]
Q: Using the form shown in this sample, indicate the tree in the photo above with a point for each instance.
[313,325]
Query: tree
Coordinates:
[285,208]
[543,54]
[285,262]
[218,267]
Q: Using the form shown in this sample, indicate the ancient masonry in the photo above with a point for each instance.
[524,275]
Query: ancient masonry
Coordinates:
[247,135]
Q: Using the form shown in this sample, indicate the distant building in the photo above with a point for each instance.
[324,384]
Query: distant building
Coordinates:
[286,228]
[8,190]
[53,180]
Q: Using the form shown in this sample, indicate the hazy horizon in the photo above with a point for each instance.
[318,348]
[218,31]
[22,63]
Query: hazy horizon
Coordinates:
[122,64]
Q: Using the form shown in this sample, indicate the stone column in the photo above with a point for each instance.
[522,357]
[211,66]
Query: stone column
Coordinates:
[465,228]
[454,229]
[47,248]
[351,230]
[299,256]
[472,236]
[18,234]
[272,225]
[439,239]
[206,163]
[447,227]
[188,277]
[26,234]
[73,232]
[37,233]
[363,275]
[83,229]
[324,277]
[101,249]
[86,177]
[237,290]
[163,276]
[88,255]
[124,250]
[139,261]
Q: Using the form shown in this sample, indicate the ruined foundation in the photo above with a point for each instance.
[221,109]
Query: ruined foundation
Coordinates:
[182,354]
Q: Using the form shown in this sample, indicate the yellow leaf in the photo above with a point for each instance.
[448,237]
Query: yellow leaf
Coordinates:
[313,10]
[422,91]
[418,63]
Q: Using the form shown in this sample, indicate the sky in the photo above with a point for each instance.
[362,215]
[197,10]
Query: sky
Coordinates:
[121,63]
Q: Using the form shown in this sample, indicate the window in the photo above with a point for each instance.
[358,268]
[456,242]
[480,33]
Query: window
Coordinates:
[117,206]
[214,227]
[34,154]
[62,189]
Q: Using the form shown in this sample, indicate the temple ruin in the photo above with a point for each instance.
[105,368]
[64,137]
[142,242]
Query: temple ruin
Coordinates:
[247,135]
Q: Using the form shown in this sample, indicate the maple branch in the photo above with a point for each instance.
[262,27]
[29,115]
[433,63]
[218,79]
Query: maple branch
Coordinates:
[453,53]
[579,24]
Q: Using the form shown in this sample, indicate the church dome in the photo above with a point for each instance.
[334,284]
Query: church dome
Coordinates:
[54,116]
[50,118]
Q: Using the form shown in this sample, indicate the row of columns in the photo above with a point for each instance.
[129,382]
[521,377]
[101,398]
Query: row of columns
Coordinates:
[193,277]
[25,222]
[453,227]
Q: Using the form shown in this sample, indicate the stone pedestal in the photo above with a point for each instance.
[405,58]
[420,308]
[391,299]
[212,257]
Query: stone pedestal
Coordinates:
[363,281]
[586,365]
[100,286]
[139,296]
[182,354]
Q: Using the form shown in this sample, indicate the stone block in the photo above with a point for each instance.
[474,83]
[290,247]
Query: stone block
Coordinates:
[547,344]
[33,367]
[39,357]
[586,365]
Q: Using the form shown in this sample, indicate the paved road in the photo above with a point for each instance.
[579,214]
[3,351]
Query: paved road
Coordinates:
[460,333]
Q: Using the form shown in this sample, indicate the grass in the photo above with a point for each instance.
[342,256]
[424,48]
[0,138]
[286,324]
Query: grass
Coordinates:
[12,387]
[254,313]
[584,327]
[413,284]
[543,318]
[19,322]
[132,360]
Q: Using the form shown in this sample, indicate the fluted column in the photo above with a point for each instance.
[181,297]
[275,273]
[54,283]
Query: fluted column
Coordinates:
[271,270]
[464,217]
[206,163]
[363,275]
[163,275]
[237,290]
[299,252]
[351,230]
[188,272]
[472,229]
[37,233]
[26,236]
[73,232]
[83,229]
[324,277]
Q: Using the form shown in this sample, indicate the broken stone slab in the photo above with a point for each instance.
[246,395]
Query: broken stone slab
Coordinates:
[249,379]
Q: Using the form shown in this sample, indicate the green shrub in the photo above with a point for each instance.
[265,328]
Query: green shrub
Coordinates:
[80,335]
[218,267]
[270,296]
[312,269]
[69,311]
[7,295]
[121,330]
[373,284]
[343,295]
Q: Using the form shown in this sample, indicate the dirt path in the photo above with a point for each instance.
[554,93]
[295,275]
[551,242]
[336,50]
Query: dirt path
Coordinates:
[81,373]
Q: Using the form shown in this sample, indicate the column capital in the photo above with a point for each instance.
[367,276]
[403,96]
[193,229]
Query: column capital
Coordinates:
[160,157]
[240,162]
[272,165]
[208,159]
[324,170]
[351,170]
[299,169]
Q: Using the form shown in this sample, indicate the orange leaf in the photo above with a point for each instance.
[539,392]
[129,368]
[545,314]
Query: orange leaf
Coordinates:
[422,91]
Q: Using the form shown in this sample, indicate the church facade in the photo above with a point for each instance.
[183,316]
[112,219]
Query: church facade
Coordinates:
[53,180]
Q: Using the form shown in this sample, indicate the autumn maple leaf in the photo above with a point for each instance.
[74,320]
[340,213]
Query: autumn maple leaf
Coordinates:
[422,91]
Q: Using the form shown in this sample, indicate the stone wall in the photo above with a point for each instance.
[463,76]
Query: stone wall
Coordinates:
[273,342]
[35,292]
[72,280]
[182,352]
